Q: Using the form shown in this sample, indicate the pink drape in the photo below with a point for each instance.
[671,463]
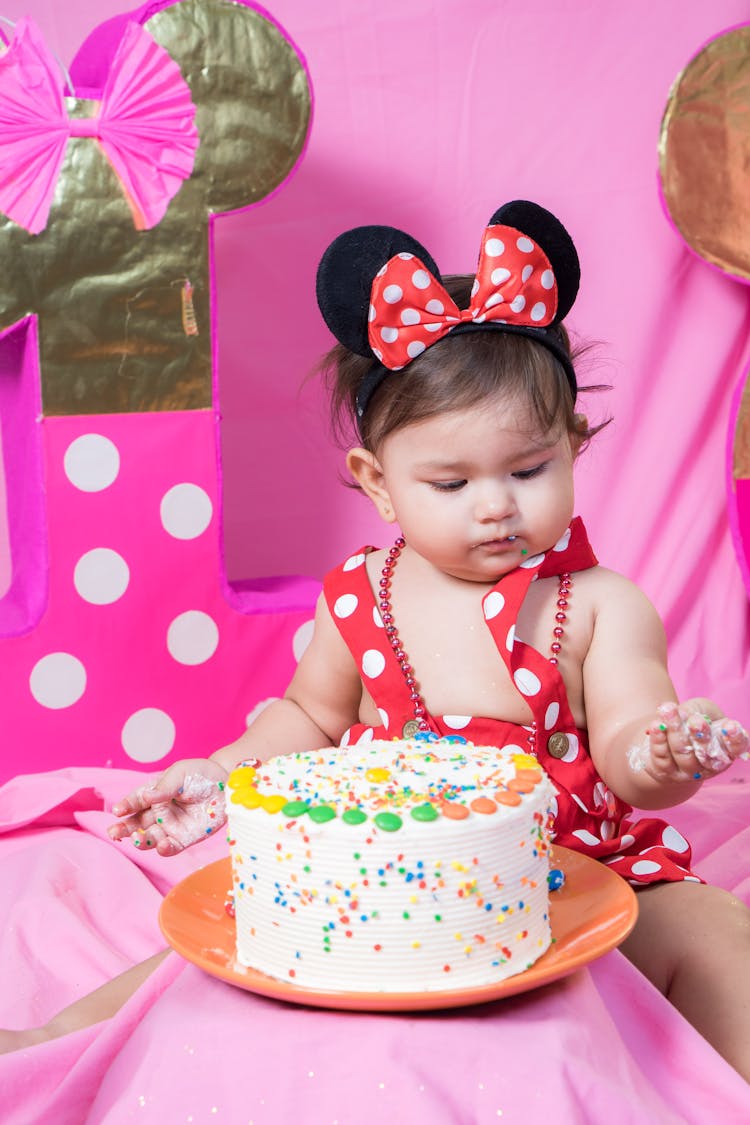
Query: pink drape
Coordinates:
[429,114]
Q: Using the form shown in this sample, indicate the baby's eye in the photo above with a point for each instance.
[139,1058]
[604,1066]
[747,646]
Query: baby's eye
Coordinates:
[447,485]
[529,474]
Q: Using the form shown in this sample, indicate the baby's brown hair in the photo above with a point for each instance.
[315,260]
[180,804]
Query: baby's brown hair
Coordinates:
[458,372]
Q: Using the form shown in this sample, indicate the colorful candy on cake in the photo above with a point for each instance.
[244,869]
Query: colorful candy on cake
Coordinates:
[402,866]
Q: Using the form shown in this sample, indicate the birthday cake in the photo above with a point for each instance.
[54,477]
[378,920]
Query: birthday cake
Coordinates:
[402,866]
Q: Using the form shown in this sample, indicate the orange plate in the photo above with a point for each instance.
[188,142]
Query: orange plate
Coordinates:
[592,913]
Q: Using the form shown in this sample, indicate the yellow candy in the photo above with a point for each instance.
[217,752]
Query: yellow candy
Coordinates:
[273,803]
[378,773]
[239,778]
[248,797]
[525,762]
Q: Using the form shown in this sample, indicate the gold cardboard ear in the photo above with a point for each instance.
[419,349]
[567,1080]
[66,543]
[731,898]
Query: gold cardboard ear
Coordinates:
[704,152]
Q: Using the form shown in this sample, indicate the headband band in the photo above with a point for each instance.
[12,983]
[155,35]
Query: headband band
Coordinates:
[382,296]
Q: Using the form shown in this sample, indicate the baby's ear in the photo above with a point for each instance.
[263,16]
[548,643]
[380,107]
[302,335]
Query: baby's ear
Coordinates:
[251,91]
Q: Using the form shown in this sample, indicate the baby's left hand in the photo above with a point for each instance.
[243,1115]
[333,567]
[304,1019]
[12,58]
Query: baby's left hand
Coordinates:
[689,742]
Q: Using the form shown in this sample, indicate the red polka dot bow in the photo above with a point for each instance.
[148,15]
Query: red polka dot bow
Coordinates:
[410,309]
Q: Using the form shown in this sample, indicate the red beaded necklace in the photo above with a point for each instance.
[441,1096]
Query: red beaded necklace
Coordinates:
[419,722]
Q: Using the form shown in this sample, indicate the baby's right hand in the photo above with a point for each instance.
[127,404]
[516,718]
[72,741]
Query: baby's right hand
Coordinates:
[185,804]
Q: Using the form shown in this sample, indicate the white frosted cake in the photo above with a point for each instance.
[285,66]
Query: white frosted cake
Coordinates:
[402,866]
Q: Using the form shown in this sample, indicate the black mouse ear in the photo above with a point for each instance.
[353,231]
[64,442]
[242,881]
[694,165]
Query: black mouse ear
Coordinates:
[549,233]
[346,273]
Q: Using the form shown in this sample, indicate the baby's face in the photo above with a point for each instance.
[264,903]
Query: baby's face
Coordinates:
[477,491]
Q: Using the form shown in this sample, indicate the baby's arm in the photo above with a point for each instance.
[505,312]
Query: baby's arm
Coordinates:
[651,752]
[186,802]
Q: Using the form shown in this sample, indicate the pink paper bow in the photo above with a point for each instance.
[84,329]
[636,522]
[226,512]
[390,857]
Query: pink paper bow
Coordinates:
[145,126]
[410,309]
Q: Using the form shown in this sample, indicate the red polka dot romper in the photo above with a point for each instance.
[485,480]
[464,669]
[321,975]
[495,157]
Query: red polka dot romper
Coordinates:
[589,817]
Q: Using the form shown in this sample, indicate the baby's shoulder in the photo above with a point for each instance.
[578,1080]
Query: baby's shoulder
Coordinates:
[611,596]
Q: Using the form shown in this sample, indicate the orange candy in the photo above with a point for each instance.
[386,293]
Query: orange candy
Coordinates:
[517,785]
[507,797]
[483,805]
[453,810]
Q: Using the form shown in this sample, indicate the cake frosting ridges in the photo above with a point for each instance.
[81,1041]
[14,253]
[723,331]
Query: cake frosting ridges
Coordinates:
[391,866]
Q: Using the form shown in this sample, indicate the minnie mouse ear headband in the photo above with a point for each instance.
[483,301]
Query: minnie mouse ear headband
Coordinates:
[381,293]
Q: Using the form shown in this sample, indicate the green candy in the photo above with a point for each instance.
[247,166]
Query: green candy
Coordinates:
[294,808]
[321,813]
[354,816]
[425,812]
[388,821]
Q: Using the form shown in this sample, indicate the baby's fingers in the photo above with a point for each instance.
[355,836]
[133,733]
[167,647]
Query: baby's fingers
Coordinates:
[137,801]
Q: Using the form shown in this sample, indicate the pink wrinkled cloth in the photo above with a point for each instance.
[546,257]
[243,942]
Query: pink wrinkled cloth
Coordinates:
[145,126]
[600,1045]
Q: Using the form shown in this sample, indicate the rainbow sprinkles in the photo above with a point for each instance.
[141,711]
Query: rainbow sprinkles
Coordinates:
[395,866]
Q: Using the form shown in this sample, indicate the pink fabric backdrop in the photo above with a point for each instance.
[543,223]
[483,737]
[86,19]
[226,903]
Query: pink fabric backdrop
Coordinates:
[428,115]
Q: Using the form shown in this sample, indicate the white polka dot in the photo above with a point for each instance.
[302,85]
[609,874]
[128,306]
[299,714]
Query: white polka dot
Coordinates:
[186,511]
[384,717]
[525,245]
[475,287]
[405,256]
[371,314]
[645,867]
[526,273]
[392,294]
[548,279]
[553,806]
[367,735]
[415,348]
[251,716]
[345,737]
[378,354]
[373,663]
[562,542]
[101,576]
[389,334]
[353,562]
[527,682]
[532,561]
[493,299]
[607,829]
[510,640]
[457,722]
[92,462]
[627,840]
[671,838]
[301,639]
[571,753]
[518,304]
[434,327]
[579,802]
[600,794]
[551,715]
[420,279]
[382,271]
[493,604]
[377,618]
[498,276]
[58,680]
[435,306]
[691,879]
[148,735]
[409,316]
[192,638]
[345,605]
[538,311]
[494,247]
[586,837]
[514,748]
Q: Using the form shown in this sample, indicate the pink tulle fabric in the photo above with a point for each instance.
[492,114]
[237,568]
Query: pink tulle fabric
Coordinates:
[600,1045]
[145,126]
